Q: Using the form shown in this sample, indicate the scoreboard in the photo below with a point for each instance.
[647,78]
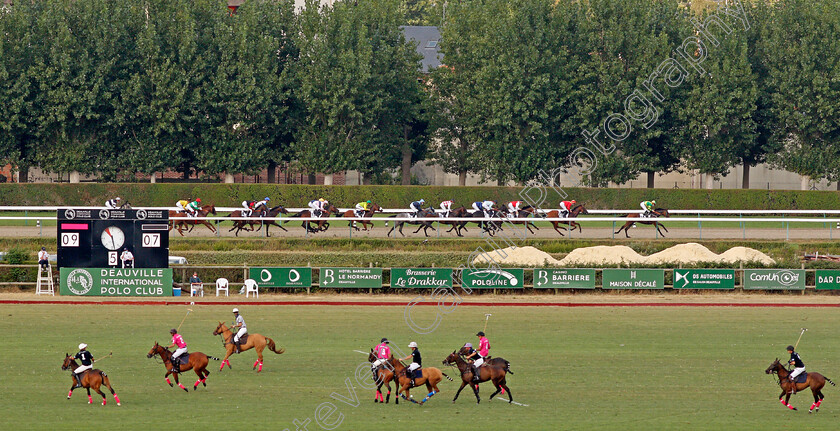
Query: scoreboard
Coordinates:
[96,238]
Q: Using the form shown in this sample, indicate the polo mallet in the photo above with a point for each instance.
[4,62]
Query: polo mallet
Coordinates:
[486,318]
[800,337]
[105,357]
[189,310]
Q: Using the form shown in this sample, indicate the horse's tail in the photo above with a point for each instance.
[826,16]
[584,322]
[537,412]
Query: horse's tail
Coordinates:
[300,214]
[447,377]
[390,216]
[507,367]
[273,347]
[829,381]
[106,381]
[213,358]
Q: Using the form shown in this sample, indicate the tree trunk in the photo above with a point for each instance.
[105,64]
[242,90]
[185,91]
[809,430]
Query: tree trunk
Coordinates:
[310,179]
[153,178]
[650,177]
[745,181]
[406,164]
[328,179]
[366,179]
[838,186]
[23,174]
[500,182]
[74,177]
[805,183]
[462,178]
[228,178]
[710,181]
[272,172]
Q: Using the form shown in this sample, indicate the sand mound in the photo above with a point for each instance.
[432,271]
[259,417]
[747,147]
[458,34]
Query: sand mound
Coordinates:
[602,255]
[688,253]
[520,256]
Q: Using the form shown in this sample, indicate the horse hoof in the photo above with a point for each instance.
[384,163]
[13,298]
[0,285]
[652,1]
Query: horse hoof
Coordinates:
[186,390]
[119,404]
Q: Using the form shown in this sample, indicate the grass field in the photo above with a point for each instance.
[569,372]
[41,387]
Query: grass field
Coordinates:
[576,368]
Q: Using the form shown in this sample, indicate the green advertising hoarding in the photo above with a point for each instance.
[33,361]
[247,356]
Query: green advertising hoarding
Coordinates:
[828,279]
[351,278]
[564,278]
[421,278]
[774,279]
[633,278]
[282,277]
[704,279]
[116,281]
[493,278]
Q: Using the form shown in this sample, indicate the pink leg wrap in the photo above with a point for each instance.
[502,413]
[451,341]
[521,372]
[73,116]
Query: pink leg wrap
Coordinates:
[117,399]
[69,394]
[104,401]
[197,382]
[819,402]
[813,405]
[167,381]
[260,369]
[181,386]
[90,400]
[790,406]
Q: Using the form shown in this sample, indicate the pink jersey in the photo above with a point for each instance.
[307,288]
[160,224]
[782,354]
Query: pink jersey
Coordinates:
[179,341]
[383,351]
[483,347]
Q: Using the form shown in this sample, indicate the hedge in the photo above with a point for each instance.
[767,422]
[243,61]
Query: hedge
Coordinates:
[145,194]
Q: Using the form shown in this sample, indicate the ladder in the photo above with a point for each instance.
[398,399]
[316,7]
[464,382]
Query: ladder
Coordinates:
[45,281]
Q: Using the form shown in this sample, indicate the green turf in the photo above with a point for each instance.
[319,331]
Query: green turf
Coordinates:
[576,368]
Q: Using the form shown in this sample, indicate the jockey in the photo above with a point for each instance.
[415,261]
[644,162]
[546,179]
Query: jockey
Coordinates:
[416,362]
[318,206]
[182,205]
[566,207]
[446,206]
[479,355]
[798,365]
[383,352]
[112,204]
[362,208]
[193,207]
[177,340]
[87,363]
[417,206]
[648,207]
[251,206]
[487,206]
[238,322]
[514,207]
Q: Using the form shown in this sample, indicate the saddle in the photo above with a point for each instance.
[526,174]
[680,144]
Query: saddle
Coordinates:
[801,378]
[243,340]
[183,359]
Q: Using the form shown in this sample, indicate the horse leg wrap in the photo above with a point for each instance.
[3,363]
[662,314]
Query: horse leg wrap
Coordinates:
[104,401]
[117,399]
[181,386]
[789,406]
[168,382]
[818,403]
[69,394]
[90,400]
[813,405]
[197,382]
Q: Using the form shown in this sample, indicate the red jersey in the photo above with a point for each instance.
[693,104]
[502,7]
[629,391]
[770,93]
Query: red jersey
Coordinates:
[566,205]
[178,341]
[382,351]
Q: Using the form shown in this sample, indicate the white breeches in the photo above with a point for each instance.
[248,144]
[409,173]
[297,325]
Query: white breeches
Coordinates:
[378,362]
[82,369]
[179,206]
[477,207]
[796,372]
[479,362]
[178,352]
[643,206]
[413,366]
[446,207]
[239,334]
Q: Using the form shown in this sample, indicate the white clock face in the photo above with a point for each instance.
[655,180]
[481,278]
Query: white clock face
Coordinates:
[113,238]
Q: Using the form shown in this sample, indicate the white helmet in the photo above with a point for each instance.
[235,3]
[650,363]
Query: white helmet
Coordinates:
[412,344]
[235,310]
[82,346]
[118,198]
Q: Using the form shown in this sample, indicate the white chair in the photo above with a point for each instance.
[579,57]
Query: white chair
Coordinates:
[251,287]
[196,289]
[222,285]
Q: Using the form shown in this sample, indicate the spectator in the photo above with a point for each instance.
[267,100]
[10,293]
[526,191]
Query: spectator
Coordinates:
[194,278]
[44,258]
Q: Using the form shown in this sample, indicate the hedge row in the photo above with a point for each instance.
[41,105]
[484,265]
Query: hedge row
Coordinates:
[143,194]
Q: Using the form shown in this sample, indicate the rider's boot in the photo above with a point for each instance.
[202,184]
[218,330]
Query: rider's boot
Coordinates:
[792,385]
[236,346]
[78,380]
[476,374]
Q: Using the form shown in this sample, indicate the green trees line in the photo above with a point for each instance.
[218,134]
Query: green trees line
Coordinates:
[118,88]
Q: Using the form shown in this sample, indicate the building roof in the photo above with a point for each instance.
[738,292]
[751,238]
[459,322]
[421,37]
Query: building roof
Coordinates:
[427,38]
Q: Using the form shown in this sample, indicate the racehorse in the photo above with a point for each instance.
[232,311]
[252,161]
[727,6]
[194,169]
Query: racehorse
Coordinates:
[521,213]
[815,381]
[197,362]
[182,221]
[254,341]
[425,225]
[431,376]
[322,224]
[382,376]
[637,218]
[367,214]
[572,225]
[91,379]
[263,218]
[486,372]
[490,227]
[456,225]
